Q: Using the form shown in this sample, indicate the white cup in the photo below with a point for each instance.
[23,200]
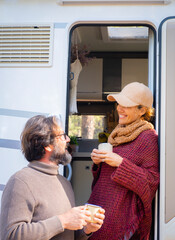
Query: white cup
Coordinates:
[93,209]
[105,147]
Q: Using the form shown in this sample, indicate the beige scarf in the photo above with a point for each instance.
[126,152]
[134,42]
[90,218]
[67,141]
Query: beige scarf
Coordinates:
[123,134]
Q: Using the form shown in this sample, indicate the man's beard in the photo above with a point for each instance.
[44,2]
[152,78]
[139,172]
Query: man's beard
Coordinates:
[64,158]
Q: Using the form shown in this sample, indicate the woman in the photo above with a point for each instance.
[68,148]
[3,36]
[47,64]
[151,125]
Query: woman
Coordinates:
[126,180]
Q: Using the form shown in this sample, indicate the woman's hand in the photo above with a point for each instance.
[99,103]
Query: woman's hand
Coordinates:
[112,159]
[93,227]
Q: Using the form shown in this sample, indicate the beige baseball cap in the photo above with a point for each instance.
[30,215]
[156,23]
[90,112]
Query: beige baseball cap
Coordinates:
[133,94]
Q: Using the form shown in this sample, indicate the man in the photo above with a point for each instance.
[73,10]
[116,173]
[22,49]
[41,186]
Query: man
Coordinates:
[37,202]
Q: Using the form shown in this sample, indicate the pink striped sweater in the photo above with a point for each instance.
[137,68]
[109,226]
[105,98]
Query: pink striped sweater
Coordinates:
[126,192]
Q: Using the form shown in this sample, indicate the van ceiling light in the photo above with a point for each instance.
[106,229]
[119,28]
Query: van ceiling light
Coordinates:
[115,33]
[116,1]
[25,45]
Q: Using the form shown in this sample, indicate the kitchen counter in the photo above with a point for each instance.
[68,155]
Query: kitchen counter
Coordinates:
[81,155]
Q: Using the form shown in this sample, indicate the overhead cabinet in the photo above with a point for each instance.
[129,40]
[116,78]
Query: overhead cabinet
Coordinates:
[103,76]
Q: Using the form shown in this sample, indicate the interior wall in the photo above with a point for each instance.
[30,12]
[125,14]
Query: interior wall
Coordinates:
[90,81]
[134,70]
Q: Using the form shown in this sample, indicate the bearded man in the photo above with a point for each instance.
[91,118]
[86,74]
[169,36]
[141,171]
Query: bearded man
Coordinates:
[37,202]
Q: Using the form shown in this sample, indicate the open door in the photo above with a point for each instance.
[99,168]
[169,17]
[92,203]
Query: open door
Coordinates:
[167,129]
[119,54]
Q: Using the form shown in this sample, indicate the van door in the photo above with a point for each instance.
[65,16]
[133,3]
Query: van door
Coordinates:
[167,129]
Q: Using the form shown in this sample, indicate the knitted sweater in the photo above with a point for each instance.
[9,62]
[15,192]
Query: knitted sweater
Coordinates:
[126,192]
[31,201]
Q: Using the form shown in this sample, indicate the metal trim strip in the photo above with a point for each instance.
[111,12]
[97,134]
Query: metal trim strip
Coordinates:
[60,25]
[8,143]
[19,113]
[2,186]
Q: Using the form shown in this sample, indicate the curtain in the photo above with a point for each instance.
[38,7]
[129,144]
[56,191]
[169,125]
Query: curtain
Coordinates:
[76,68]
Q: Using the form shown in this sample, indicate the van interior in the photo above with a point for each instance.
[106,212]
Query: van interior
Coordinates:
[111,56]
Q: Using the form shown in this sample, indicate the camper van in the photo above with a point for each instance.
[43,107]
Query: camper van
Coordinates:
[63,57]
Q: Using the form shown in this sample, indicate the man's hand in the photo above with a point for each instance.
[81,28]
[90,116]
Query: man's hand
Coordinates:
[76,218]
[98,218]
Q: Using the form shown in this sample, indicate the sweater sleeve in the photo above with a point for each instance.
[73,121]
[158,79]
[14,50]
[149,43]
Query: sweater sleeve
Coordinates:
[142,178]
[17,209]
[96,172]
[80,235]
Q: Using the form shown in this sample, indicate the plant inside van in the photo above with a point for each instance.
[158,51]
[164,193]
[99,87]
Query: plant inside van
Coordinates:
[73,144]
[81,53]
[73,140]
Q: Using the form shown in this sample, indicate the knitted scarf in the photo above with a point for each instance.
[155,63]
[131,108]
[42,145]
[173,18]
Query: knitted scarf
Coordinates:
[127,133]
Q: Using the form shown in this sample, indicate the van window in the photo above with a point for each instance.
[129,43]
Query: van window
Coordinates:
[86,126]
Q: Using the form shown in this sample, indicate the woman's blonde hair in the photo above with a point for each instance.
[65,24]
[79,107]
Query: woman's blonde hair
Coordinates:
[149,114]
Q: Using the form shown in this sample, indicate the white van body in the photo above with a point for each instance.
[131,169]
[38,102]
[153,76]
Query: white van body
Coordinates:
[29,87]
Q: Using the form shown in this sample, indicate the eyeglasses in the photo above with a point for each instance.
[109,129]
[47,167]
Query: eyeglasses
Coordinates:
[63,136]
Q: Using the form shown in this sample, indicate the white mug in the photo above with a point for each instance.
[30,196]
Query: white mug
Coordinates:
[105,147]
[93,209]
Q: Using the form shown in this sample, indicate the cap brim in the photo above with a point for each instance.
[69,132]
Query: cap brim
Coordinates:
[111,98]
[122,100]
